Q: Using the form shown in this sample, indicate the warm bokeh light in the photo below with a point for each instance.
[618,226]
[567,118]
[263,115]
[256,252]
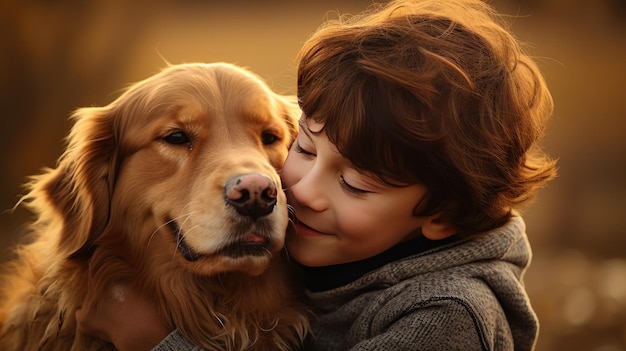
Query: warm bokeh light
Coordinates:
[56,56]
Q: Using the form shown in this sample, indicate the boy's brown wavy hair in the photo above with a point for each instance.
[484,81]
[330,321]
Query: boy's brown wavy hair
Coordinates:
[433,92]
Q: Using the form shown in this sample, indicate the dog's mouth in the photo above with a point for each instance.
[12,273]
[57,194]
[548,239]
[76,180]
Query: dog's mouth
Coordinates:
[250,244]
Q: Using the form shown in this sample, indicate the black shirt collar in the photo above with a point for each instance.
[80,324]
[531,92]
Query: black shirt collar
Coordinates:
[318,279]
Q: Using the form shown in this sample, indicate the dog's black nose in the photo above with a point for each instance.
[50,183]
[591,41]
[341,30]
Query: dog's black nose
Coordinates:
[252,195]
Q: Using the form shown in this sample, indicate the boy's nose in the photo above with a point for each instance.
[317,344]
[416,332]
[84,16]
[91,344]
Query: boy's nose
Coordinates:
[310,192]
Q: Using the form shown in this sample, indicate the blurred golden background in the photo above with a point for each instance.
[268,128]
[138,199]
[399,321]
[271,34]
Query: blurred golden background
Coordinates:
[56,56]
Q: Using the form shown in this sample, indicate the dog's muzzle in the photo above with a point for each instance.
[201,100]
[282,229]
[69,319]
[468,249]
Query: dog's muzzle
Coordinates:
[250,244]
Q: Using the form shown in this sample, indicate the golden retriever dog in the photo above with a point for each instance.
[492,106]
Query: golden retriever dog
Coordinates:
[172,189]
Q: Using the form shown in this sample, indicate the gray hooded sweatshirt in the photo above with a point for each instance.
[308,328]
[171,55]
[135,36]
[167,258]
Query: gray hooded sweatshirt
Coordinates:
[462,294]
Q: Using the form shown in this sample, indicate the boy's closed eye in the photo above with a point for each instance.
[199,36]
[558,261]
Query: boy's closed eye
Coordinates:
[342,181]
[350,188]
[301,150]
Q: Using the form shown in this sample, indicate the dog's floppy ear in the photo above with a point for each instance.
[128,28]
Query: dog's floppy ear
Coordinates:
[80,187]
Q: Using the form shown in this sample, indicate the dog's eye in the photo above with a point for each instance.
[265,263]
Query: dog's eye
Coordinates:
[177,138]
[268,138]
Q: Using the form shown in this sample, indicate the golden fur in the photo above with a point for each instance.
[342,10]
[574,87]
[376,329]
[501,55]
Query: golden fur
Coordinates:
[142,175]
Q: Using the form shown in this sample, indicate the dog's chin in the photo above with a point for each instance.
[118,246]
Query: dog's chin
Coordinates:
[216,264]
[252,255]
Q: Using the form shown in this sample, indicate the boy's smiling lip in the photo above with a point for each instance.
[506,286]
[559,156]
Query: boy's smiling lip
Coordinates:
[303,229]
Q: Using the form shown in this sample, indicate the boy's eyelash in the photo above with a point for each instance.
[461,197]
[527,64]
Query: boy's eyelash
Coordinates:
[300,150]
[342,181]
[350,188]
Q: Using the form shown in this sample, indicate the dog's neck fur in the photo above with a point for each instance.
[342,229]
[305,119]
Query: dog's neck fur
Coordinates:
[210,317]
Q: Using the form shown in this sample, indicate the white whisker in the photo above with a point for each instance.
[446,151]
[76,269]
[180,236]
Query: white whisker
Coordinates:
[167,223]
[186,217]
[157,230]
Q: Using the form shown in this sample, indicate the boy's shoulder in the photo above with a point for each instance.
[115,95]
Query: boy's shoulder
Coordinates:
[466,293]
[458,308]
[436,312]
[478,273]
[446,289]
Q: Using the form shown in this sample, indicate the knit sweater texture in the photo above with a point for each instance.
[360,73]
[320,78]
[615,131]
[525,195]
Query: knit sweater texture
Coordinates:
[464,295]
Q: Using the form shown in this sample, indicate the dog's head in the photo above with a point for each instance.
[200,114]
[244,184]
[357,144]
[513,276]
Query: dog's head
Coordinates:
[184,165]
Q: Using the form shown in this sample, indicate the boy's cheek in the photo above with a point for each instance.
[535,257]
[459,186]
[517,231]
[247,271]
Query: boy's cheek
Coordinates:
[287,172]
